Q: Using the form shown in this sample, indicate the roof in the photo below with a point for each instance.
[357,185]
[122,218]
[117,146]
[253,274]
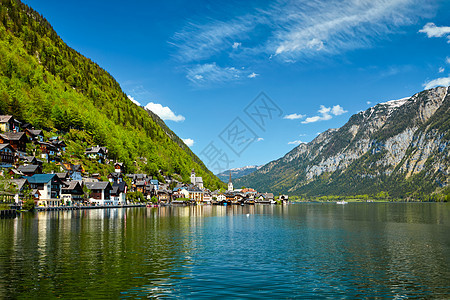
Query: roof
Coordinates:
[41,178]
[5,119]
[140,182]
[115,175]
[3,146]
[28,168]
[13,136]
[118,187]
[72,185]
[35,132]
[62,175]
[30,159]
[96,149]
[19,183]
[101,185]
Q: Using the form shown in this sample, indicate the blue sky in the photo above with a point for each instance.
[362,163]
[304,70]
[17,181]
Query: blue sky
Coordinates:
[243,82]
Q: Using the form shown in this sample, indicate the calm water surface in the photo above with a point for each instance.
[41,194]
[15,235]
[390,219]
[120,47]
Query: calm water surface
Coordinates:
[297,251]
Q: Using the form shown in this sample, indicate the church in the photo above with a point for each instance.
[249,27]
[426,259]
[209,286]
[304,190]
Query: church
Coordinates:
[230,184]
[197,181]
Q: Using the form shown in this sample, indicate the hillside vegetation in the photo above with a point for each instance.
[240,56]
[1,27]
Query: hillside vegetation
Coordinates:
[50,85]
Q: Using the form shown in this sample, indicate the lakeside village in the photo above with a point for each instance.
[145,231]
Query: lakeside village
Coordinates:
[73,188]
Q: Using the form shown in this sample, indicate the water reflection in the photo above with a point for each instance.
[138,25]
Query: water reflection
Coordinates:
[309,250]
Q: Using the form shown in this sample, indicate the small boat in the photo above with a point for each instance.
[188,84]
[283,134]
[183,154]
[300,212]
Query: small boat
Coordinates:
[341,202]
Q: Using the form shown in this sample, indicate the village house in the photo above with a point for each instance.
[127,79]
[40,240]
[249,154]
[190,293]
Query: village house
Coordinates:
[48,151]
[100,192]
[9,124]
[49,188]
[207,198]
[119,193]
[31,160]
[115,177]
[75,171]
[6,123]
[164,196]
[98,153]
[195,194]
[21,185]
[7,154]
[72,193]
[180,192]
[17,140]
[119,167]
[34,135]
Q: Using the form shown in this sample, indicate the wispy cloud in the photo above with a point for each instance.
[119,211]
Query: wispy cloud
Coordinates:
[134,100]
[325,113]
[252,75]
[443,81]
[294,117]
[447,60]
[260,139]
[441,70]
[431,30]
[297,142]
[188,142]
[293,30]
[164,112]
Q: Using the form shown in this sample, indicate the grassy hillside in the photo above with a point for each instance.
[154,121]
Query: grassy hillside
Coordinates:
[50,85]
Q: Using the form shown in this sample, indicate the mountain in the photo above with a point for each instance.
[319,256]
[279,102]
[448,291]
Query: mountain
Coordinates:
[399,147]
[237,173]
[46,83]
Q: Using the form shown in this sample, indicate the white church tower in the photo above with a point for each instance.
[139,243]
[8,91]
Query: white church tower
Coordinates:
[230,184]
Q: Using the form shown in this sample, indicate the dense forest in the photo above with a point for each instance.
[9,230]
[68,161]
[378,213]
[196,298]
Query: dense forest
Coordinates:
[46,83]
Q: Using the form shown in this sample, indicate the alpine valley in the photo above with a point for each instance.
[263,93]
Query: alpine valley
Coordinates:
[398,148]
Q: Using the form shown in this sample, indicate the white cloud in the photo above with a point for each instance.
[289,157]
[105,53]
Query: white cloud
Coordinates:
[443,81]
[324,114]
[260,139]
[297,29]
[253,75]
[164,112]
[338,110]
[188,142]
[369,102]
[441,70]
[297,142]
[236,45]
[435,31]
[134,100]
[447,60]
[294,117]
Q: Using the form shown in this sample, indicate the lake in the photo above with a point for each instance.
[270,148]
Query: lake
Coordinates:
[307,250]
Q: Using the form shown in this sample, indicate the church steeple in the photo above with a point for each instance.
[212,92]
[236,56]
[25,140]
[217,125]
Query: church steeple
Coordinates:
[230,184]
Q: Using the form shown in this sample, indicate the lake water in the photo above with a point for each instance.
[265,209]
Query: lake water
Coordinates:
[393,250]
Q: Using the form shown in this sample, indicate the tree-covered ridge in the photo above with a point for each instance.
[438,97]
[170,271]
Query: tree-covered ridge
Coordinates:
[50,85]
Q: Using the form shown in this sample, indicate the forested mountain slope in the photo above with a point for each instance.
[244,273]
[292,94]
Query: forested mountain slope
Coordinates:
[50,85]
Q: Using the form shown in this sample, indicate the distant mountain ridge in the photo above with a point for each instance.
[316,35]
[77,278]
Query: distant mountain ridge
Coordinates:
[237,172]
[400,147]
